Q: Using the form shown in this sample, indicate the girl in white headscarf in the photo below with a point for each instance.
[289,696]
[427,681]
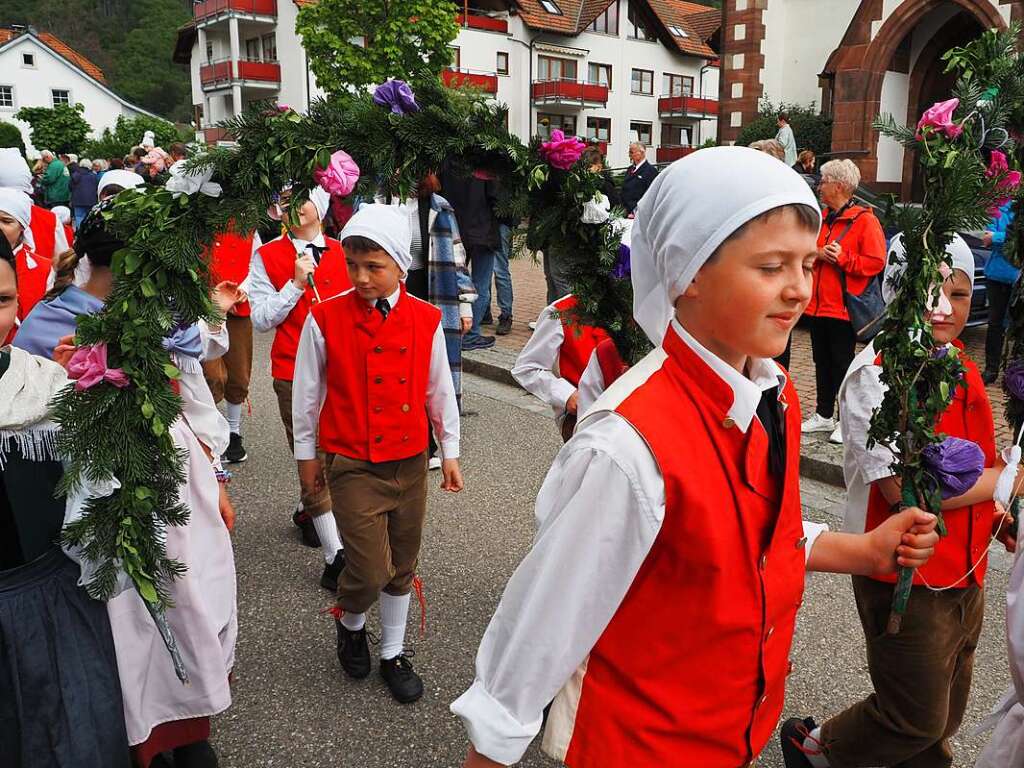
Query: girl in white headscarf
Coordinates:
[16,228]
[658,602]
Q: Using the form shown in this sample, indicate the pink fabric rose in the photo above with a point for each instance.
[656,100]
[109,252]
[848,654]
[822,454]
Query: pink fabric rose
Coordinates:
[939,117]
[340,176]
[562,152]
[89,367]
[999,168]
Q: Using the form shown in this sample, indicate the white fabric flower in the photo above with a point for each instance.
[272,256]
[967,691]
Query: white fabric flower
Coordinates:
[182,182]
[596,211]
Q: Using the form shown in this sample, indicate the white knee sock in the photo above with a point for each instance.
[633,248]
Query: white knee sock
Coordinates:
[813,744]
[233,413]
[394,612]
[353,622]
[327,530]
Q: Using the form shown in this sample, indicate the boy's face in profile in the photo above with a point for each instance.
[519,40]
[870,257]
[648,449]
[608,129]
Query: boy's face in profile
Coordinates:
[308,216]
[946,327]
[745,301]
[374,274]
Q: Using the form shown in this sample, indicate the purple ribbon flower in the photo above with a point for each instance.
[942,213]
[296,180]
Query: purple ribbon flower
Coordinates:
[89,367]
[955,463]
[1013,380]
[397,95]
[623,267]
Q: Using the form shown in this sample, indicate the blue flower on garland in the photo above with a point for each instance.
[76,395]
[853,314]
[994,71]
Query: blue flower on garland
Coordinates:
[396,95]
[955,464]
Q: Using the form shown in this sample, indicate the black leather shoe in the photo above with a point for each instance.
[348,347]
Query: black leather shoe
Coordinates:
[353,651]
[792,735]
[504,326]
[235,454]
[332,571]
[197,755]
[405,685]
[306,528]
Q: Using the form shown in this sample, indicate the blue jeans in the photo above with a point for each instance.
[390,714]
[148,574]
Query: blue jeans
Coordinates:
[502,276]
[481,266]
[79,214]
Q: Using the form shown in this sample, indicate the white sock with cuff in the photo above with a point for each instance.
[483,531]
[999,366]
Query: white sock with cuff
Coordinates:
[233,413]
[353,622]
[394,613]
[327,530]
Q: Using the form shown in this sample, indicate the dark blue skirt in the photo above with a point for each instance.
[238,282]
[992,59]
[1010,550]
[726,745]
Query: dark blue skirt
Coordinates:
[60,697]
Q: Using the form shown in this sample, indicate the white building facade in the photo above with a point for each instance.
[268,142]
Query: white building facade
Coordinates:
[635,71]
[39,70]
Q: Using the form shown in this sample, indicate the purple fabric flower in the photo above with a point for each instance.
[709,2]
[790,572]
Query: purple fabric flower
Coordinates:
[955,463]
[397,95]
[622,268]
[1013,380]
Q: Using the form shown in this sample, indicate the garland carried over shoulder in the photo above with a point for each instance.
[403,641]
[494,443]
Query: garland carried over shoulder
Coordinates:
[952,141]
[117,427]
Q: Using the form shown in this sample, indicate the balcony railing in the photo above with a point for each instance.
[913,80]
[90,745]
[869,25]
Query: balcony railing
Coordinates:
[569,91]
[226,71]
[207,8]
[213,135]
[669,153]
[687,104]
[480,21]
[485,81]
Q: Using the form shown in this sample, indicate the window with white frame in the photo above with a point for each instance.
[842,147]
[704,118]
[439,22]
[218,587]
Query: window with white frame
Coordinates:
[270,47]
[676,30]
[6,97]
[553,68]
[252,49]
[546,123]
[676,85]
[501,67]
[642,82]
[60,96]
[608,22]
[640,132]
[638,25]
[599,128]
[28,60]
[600,74]
[551,7]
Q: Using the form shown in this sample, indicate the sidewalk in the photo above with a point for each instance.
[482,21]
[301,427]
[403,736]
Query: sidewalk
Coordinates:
[819,460]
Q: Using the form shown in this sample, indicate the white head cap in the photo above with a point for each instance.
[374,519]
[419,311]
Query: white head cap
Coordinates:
[63,213]
[148,140]
[689,211]
[16,203]
[14,170]
[122,178]
[386,226]
[959,252]
[321,198]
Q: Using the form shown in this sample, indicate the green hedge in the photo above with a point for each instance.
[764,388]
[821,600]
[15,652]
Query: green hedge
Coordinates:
[10,136]
[811,129]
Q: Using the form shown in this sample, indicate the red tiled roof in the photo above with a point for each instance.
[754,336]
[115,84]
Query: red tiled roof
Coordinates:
[567,23]
[705,23]
[679,13]
[62,49]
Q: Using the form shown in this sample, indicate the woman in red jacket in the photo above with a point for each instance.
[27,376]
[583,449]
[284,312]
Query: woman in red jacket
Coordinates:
[851,249]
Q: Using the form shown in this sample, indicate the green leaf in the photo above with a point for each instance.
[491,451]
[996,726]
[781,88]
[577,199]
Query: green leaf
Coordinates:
[147,410]
[146,590]
[171,371]
[148,289]
[132,261]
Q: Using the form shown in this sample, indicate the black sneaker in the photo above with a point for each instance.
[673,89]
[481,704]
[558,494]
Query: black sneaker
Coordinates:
[235,454]
[504,326]
[306,528]
[332,571]
[989,377]
[353,651]
[792,735]
[405,685]
[197,755]
[478,342]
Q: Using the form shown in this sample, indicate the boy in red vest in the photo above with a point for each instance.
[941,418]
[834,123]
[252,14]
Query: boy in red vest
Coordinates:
[287,276]
[371,370]
[550,365]
[228,376]
[677,504]
[933,655]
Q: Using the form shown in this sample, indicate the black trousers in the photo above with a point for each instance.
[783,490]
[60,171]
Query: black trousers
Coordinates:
[833,344]
[417,283]
[998,301]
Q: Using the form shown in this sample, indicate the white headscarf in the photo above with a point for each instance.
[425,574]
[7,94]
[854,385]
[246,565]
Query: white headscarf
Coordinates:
[959,252]
[14,170]
[689,211]
[321,198]
[16,203]
[384,225]
[63,213]
[125,179]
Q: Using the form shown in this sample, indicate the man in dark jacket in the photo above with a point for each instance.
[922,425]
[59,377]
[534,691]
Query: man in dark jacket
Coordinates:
[473,199]
[84,182]
[638,178]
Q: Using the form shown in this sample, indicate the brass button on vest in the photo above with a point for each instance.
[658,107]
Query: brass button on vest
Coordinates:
[405,438]
[728,422]
[402,380]
[402,350]
[378,439]
[377,409]
[378,380]
[405,408]
[378,349]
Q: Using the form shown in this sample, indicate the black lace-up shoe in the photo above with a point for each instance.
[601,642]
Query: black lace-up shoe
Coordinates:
[792,736]
[353,651]
[405,685]
[306,528]
[197,755]
[235,454]
[332,571]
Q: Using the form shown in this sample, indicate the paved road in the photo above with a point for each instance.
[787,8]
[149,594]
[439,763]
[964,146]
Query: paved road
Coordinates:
[292,705]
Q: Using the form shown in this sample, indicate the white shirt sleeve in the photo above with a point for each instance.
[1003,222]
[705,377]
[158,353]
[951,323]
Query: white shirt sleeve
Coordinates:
[811,532]
[862,393]
[214,345]
[269,306]
[601,507]
[534,368]
[591,385]
[309,388]
[60,240]
[442,405]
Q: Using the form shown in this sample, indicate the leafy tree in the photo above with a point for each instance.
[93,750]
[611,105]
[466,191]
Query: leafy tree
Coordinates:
[59,129]
[812,130]
[10,136]
[128,132]
[402,38]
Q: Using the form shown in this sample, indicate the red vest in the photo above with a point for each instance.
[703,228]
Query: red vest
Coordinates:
[377,374]
[331,278]
[31,280]
[44,231]
[691,670]
[230,257]
[610,362]
[969,528]
[579,342]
